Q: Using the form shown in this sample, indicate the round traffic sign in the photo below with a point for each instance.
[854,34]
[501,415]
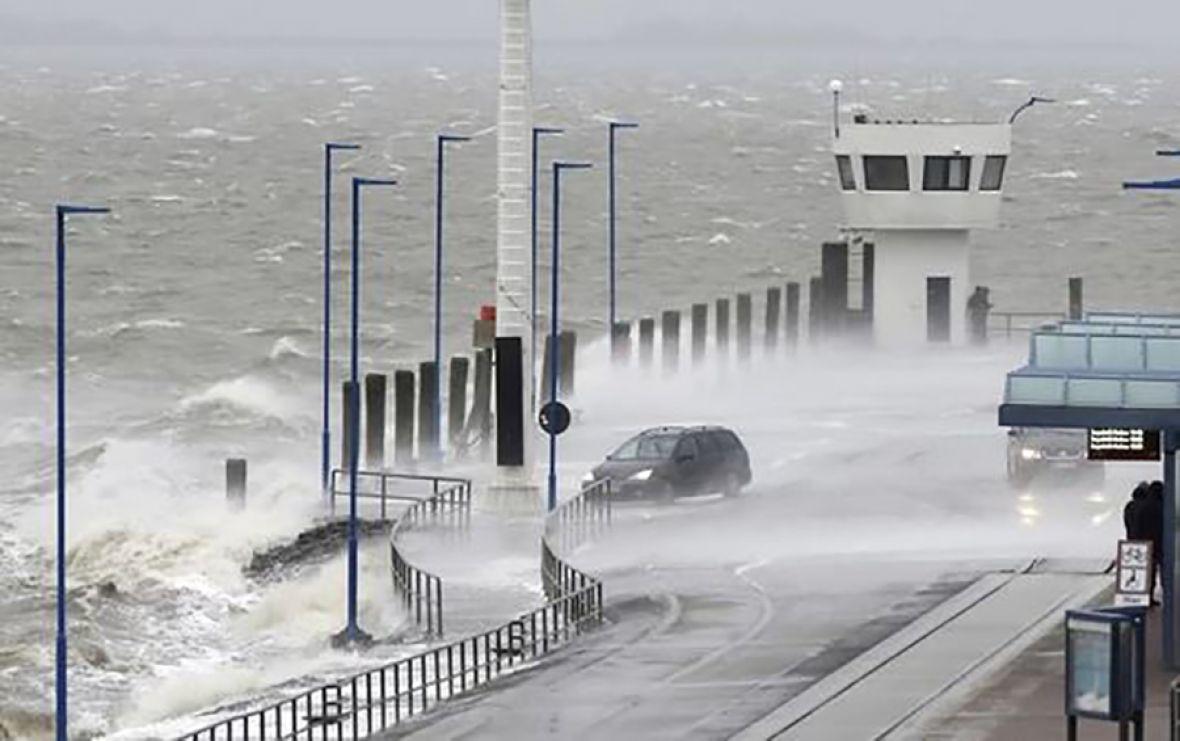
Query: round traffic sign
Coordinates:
[554,417]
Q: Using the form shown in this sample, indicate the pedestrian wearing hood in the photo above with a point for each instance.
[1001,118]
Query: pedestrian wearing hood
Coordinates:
[1133,513]
[1153,524]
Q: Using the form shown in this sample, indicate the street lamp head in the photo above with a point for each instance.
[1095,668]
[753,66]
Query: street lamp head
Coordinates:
[547,130]
[358,182]
[624,125]
[560,166]
[836,87]
[65,209]
[443,138]
[331,146]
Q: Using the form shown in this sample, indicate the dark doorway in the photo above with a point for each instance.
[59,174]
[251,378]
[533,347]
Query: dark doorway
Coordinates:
[938,309]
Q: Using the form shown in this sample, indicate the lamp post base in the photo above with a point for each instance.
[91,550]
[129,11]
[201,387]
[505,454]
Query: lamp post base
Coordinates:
[357,639]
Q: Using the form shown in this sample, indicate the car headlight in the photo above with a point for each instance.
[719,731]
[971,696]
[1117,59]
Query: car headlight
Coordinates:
[1030,454]
[643,475]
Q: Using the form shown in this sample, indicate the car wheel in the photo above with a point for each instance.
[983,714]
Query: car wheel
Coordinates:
[732,485]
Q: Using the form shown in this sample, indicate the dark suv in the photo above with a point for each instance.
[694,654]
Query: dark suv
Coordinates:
[665,462]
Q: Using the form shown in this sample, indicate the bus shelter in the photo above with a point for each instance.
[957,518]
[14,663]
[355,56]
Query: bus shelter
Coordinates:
[1110,370]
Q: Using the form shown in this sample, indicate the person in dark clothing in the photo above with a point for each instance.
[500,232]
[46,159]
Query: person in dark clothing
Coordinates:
[1133,513]
[1153,525]
[978,305]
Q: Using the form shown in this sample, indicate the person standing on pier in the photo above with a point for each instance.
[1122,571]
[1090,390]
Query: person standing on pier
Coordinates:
[978,306]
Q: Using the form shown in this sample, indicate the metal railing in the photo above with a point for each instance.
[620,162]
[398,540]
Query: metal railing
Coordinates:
[448,503]
[381,698]
[1021,322]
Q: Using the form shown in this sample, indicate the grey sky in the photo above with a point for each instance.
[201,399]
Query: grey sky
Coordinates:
[1059,21]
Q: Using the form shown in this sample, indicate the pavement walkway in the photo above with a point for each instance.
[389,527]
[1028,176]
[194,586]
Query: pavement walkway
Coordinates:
[891,691]
[1025,700]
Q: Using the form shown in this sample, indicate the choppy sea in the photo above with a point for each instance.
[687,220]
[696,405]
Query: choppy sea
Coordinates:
[194,310]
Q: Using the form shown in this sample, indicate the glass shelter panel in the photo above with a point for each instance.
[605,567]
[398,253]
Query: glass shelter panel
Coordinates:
[1060,351]
[1116,353]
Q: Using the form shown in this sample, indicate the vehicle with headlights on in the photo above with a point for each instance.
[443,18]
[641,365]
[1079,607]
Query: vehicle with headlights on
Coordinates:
[1050,455]
[666,462]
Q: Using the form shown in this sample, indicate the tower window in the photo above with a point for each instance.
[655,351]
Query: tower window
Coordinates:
[847,176]
[886,172]
[993,172]
[947,173]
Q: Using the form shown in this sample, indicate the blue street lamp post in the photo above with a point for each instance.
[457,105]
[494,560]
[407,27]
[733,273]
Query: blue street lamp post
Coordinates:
[325,452]
[538,132]
[440,172]
[554,286]
[613,127]
[352,633]
[61,715]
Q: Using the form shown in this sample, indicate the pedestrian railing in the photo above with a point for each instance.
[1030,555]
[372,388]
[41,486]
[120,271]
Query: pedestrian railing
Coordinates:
[448,503]
[379,699]
[1012,323]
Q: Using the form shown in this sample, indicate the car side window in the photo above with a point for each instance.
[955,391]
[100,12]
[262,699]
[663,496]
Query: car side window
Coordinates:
[731,441]
[687,447]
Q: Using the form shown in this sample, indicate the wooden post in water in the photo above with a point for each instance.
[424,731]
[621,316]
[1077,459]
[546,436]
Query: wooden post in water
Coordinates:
[700,332]
[1076,305]
[403,417]
[815,309]
[457,400]
[375,386]
[235,482]
[620,343]
[792,314]
[670,339]
[567,349]
[481,402]
[647,341]
[427,412]
[744,329]
[721,341]
[774,311]
[349,394]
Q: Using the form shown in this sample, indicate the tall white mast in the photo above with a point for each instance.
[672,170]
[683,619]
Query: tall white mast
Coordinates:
[514,194]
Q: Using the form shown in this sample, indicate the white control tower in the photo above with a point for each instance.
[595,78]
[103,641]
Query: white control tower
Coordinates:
[916,190]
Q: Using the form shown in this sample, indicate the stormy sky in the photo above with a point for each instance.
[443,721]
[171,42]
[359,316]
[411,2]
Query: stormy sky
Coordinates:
[1058,22]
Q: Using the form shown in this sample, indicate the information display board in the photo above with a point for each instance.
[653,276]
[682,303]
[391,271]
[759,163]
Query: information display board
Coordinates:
[1114,444]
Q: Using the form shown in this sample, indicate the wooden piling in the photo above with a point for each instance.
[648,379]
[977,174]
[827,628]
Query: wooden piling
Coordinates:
[670,339]
[744,328]
[349,407]
[235,482]
[792,314]
[700,332]
[403,417]
[427,411]
[457,400]
[567,349]
[375,387]
[620,343]
[481,402]
[721,341]
[647,341]
[815,309]
[774,310]
[1076,305]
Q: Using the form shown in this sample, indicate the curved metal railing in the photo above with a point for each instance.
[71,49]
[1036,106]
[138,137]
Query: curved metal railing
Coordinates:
[449,502]
[381,698]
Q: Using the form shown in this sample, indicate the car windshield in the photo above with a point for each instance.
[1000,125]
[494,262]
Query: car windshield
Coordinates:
[646,447]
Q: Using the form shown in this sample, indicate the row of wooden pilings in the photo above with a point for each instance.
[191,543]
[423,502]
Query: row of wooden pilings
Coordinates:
[780,327]
[416,433]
